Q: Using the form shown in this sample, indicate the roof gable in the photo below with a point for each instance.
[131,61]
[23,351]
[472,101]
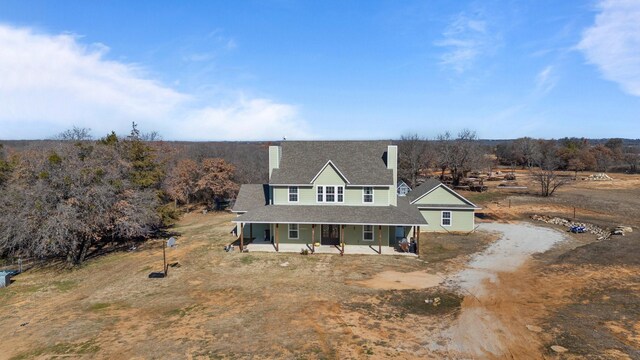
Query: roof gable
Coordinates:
[328,174]
[433,192]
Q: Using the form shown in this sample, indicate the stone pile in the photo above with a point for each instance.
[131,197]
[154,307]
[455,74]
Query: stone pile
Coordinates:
[598,177]
[601,233]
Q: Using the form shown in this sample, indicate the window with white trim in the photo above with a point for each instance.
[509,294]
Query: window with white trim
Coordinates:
[367,194]
[293,231]
[446,218]
[367,232]
[293,194]
[330,194]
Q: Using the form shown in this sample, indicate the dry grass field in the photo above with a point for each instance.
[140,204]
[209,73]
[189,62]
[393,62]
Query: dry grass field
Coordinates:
[583,294]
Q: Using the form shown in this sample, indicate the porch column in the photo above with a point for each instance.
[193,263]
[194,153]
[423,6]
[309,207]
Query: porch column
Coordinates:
[342,239]
[418,242]
[380,239]
[277,238]
[241,237]
[313,238]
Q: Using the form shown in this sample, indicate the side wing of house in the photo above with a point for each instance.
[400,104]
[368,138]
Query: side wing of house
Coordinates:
[445,210]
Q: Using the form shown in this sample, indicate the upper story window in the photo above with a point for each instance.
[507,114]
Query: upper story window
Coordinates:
[293,194]
[446,218]
[330,194]
[367,195]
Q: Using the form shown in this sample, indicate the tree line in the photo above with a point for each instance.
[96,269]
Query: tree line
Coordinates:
[80,195]
[456,156]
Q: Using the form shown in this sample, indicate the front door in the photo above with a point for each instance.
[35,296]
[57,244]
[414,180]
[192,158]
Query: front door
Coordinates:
[330,235]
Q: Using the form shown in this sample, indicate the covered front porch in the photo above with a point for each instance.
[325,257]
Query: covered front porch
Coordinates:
[325,238]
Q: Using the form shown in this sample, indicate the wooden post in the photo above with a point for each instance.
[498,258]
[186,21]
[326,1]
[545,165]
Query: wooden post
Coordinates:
[380,239]
[509,203]
[418,242]
[574,213]
[164,258]
[313,238]
[241,237]
[250,232]
[342,239]
[277,239]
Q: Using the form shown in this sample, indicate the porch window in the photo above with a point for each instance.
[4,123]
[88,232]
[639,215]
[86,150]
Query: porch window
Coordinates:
[320,194]
[367,232]
[293,231]
[446,218]
[293,194]
[367,195]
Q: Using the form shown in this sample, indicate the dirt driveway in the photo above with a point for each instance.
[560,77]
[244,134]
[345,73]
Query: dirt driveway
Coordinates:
[486,325]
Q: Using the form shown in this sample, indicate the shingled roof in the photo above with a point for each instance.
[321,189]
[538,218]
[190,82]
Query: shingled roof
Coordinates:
[431,184]
[360,162]
[423,188]
[251,196]
[403,214]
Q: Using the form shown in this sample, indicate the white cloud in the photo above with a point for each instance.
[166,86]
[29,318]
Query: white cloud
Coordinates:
[613,43]
[465,40]
[246,119]
[50,82]
[545,80]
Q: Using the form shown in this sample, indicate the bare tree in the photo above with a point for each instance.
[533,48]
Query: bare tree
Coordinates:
[75,134]
[527,151]
[546,175]
[460,155]
[414,156]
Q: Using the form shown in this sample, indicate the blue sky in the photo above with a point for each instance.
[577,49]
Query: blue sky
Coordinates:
[261,70]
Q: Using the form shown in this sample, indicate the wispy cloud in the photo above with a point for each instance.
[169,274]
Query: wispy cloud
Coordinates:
[465,39]
[50,82]
[613,43]
[546,80]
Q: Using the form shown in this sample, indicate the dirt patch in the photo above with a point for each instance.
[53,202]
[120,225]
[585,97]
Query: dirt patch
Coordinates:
[618,250]
[394,280]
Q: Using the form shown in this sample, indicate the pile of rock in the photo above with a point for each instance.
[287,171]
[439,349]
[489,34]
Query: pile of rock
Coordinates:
[601,233]
[598,177]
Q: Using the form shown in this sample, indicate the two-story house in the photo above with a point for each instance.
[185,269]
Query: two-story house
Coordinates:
[329,193]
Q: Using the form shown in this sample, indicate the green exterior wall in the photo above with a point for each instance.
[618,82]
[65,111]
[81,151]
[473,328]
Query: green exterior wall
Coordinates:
[461,220]
[274,158]
[352,196]
[440,196]
[258,231]
[352,234]
[392,163]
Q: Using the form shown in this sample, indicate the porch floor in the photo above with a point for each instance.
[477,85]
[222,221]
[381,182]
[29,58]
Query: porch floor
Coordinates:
[325,249]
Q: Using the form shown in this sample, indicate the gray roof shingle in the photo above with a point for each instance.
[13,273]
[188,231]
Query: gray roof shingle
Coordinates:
[431,184]
[423,188]
[361,162]
[404,214]
[251,196]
